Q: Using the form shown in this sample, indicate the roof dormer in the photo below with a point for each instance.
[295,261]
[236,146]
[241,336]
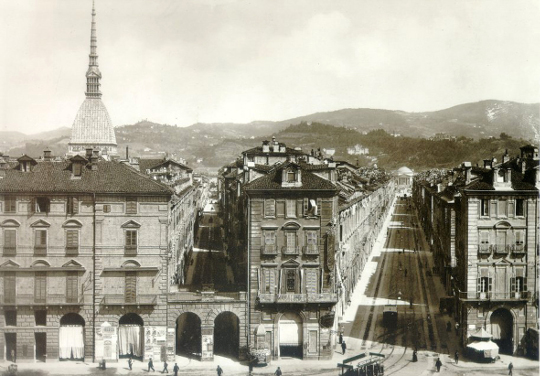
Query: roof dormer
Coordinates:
[26,163]
[77,164]
[291,176]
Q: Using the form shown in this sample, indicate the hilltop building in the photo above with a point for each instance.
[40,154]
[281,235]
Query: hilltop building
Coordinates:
[92,127]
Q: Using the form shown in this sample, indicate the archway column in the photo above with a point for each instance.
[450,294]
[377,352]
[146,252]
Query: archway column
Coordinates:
[207,342]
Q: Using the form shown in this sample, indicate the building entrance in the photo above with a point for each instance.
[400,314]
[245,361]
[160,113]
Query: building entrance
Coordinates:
[290,335]
[188,335]
[131,336]
[502,324]
[71,337]
[41,346]
[226,334]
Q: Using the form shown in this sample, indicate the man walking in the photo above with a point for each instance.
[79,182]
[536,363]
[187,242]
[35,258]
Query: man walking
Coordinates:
[130,363]
[343,347]
[165,365]
[278,372]
[176,369]
[219,371]
[456,357]
[151,365]
[510,368]
[438,364]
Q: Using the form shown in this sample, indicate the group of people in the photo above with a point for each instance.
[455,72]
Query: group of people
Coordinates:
[176,369]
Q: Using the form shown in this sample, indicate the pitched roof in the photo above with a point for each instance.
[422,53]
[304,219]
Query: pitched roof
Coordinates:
[258,151]
[56,177]
[272,181]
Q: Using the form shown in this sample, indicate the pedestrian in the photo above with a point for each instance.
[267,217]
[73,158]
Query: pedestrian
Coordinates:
[448,326]
[278,372]
[340,337]
[151,365]
[456,357]
[457,328]
[510,368]
[219,371]
[405,272]
[176,369]
[438,364]
[13,358]
[165,369]
[415,356]
[130,363]
[343,347]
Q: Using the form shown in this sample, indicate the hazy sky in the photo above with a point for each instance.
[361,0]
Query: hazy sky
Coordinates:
[181,62]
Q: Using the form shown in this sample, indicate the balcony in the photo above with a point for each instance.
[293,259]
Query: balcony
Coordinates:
[311,250]
[130,250]
[122,301]
[494,296]
[10,251]
[290,250]
[325,297]
[269,250]
[484,249]
[49,300]
[518,250]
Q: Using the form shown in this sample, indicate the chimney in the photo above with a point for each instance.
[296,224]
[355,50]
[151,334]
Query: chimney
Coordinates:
[47,155]
[127,153]
[508,176]
[468,171]
[94,159]
[488,164]
[88,153]
[439,188]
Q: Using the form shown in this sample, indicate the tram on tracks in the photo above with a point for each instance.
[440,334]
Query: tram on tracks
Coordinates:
[369,364]
[390,316]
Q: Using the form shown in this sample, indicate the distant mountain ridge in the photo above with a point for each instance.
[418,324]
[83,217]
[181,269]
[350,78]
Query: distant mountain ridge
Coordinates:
[477,120]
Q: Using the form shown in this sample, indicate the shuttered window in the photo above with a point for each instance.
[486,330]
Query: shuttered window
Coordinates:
[10,204]
[311,242]
[484,282]
[73,205]
[10,242]
[9,287]
[291,208]
[40,287]
[502,208]
[72,287]
[40,242]
[520,207]
[270,208]
[131,205]
[269,280]
[290,280]
[130,287]
[72,242]
[311,281]
[131,242]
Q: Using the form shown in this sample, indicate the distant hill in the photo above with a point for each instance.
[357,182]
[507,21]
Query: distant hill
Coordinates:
[219,143]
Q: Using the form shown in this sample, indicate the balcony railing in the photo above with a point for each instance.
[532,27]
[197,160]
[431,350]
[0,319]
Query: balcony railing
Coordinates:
[10,251]
[290,250]
[493,295]
[49,300]
[122,300]
[269,249]
[311,249]
[130,250]
[325,297]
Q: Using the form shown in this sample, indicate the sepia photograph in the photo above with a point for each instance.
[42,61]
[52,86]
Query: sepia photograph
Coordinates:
[269,187]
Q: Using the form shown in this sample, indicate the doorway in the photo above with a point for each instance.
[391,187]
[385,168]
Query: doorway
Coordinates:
[41,346]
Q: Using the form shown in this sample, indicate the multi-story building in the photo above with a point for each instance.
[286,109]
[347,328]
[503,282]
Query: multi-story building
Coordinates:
[83,264]
[493,272]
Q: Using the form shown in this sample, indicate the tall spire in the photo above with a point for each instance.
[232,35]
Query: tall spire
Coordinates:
[93,75]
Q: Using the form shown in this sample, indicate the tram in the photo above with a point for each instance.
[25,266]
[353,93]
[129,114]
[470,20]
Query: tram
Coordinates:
[390,316]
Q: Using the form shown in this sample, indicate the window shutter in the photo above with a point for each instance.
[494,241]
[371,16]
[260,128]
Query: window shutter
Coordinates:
[306,207]
[490,283]
[524,283]
[479,284]
[512,285]
[33,205]
[319,206]
[75,205]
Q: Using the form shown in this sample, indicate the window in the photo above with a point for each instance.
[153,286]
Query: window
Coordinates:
[270,208]
[40,242]
[312,281]
[72,287]
[291,243]
[484,208]
[42,205]
[131,205]
[501,241]
[130,287]
[11,318]
[73,205]
[131,242]
[269,241]
[518,283]
[484,283]
[310,207]
[502,208]
[269,280]
[311,242]
[484,242]
[10,242]
[9,287]
[10,204]
[520,207]
[72,242]
[41,318]
[77,169]
[40,287]
[291,176]
[291,280]
[291,208]
[520,236]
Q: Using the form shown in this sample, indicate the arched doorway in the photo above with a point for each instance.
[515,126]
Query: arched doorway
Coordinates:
[502,324]
[226,334]
[188,335]
[71,337]
[131,336]
[290,335]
